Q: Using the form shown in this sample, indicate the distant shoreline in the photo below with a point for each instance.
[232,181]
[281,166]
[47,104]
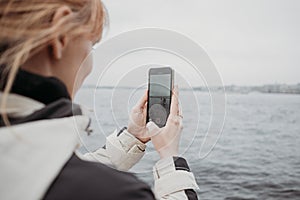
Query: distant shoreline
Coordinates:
[265,89]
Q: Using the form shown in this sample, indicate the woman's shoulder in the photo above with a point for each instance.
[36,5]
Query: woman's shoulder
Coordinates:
[90,180]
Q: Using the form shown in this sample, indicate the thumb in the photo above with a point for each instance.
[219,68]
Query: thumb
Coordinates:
[152,129]
[145,110]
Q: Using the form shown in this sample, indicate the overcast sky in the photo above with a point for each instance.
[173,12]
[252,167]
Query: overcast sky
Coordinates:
[252,42]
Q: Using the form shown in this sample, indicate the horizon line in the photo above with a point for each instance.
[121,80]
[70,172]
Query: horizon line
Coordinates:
[195,87]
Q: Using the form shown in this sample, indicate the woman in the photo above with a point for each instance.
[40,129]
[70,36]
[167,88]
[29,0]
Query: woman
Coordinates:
[42,44]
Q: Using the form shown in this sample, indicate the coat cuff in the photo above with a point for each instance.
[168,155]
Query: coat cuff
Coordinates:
[172,174]
[129,141]
[124,150]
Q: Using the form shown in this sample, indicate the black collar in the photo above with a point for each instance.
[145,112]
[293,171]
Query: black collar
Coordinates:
[40,88]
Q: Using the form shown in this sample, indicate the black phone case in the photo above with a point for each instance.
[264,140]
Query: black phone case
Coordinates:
[159,108]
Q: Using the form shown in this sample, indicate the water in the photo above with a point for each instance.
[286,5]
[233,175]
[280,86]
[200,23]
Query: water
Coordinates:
[257,156]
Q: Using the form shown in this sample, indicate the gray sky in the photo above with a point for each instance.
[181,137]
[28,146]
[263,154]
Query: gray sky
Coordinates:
[252,42]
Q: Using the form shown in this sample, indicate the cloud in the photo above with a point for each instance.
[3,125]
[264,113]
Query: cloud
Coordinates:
[251,41]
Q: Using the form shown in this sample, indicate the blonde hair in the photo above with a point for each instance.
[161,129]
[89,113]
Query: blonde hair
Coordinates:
[26,29]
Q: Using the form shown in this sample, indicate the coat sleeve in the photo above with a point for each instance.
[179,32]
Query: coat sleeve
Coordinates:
[121,151]
[174,180]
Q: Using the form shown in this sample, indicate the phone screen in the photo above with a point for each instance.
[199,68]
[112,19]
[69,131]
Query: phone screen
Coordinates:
[159,96]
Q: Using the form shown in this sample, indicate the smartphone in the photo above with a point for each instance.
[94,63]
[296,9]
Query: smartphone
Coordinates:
[160,84]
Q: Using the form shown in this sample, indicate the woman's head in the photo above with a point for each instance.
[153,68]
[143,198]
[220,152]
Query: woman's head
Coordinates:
[51,38]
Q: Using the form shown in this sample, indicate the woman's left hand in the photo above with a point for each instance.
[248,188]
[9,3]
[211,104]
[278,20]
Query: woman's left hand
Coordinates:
[137,119]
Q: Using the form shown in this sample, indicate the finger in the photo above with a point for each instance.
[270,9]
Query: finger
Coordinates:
[174,103]
[152,129]
[174,121]
[141,103]
[145,112]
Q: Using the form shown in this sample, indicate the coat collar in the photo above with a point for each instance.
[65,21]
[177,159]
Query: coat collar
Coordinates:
[33,154]
[20,106]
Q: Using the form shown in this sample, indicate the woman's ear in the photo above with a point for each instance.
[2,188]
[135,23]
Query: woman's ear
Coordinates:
[60,41]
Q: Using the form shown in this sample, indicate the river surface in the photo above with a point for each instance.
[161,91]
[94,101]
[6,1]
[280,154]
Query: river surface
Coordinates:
[256,157]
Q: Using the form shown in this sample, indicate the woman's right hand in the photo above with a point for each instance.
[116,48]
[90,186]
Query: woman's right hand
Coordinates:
[166,139]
